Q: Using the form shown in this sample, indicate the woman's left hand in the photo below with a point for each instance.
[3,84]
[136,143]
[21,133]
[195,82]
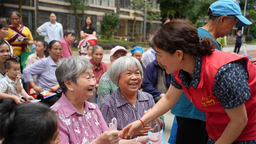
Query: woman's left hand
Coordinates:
[54,88]
[24,41]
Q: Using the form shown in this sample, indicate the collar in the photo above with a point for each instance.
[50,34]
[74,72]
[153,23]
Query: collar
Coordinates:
[56,23]
[51,62]
[184,76]
[121,100]
[65,41]
[94,66]
[9,80]
[69,109]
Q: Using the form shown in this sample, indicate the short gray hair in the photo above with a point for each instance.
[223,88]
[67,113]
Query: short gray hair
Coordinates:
[95,48]
[70,68]
[122,64]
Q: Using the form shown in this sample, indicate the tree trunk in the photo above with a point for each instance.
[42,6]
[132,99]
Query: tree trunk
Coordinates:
[133,26]
[20,8]
[248,31]
[118,13]
[79,23]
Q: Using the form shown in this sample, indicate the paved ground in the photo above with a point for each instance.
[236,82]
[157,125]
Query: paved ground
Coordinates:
[168,117]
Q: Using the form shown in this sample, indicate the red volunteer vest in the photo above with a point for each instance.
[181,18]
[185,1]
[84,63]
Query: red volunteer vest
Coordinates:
[205,100]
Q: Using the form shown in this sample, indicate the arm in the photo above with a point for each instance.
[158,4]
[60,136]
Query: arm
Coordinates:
[19,87]
[55,88]
[232,78]
[25,95]
[83,34]
[238,120]
[61,32]
[165,104]
[34,69]
[35,87]
[94,33]
[63,132]
[42,30]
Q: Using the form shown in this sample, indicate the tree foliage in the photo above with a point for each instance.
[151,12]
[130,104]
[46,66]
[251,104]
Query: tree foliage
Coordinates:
[109,23]
[78,6]
[139,10]
[190,9]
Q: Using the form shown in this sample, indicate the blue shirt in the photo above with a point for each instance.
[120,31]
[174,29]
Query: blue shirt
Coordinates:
[51,32]
[150,79]
[45,71]
[204,33]
[239,38]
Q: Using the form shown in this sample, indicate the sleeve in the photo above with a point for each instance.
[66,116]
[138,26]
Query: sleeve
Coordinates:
[30,37]
[61,31]
[93,29]
[103,91]
[149,80]
[63,133]
[82,28]
[107,112]
[3,86]
[231,87]
[151,105]
[42,30]
[175,83]
[34,69]
[102,121]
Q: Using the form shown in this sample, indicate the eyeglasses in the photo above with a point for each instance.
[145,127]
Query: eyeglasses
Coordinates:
[231,17]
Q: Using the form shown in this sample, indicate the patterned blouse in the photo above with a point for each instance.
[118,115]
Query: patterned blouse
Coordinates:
[117,106]
[105,88]
[77,128]
[230,87]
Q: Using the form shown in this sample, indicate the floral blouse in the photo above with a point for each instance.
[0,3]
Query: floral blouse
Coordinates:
[77,128]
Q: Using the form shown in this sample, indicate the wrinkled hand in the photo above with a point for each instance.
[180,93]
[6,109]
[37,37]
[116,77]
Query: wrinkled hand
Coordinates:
[144,140]
[17,100]
[54,88]
[129,130]
[38,89]
[143,132]
[28,98]
[108,137]
[254,62]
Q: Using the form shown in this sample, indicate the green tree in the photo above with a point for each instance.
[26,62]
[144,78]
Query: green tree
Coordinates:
[139,7]
[109,23]
[78,6]
[251,15]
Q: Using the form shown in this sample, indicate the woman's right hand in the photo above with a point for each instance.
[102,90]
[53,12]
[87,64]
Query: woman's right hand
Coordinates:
[143,132]
[38,89]
[108,137]
[129,130]
[18,100]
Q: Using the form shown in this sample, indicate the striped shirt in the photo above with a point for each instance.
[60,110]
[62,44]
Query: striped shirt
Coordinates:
[117,106]
[8,86]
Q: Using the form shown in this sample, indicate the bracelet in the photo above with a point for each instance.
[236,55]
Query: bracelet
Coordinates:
[142,123]
[136,140]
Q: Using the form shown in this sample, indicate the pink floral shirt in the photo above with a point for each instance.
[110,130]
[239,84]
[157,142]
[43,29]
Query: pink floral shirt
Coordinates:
[77,128]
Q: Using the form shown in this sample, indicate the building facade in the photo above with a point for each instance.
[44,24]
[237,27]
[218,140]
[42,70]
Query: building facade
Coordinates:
[36,12]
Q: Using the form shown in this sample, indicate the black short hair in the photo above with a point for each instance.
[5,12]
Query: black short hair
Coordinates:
[29,123]
[8,62]
[53,42]
[15,12]
[69,31]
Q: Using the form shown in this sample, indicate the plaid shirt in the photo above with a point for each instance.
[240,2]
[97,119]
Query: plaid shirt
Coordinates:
[8,86]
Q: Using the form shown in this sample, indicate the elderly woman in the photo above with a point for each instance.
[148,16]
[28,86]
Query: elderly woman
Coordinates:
[127,103]
[79,120]
[137,53]
[45,71]
[99,67]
